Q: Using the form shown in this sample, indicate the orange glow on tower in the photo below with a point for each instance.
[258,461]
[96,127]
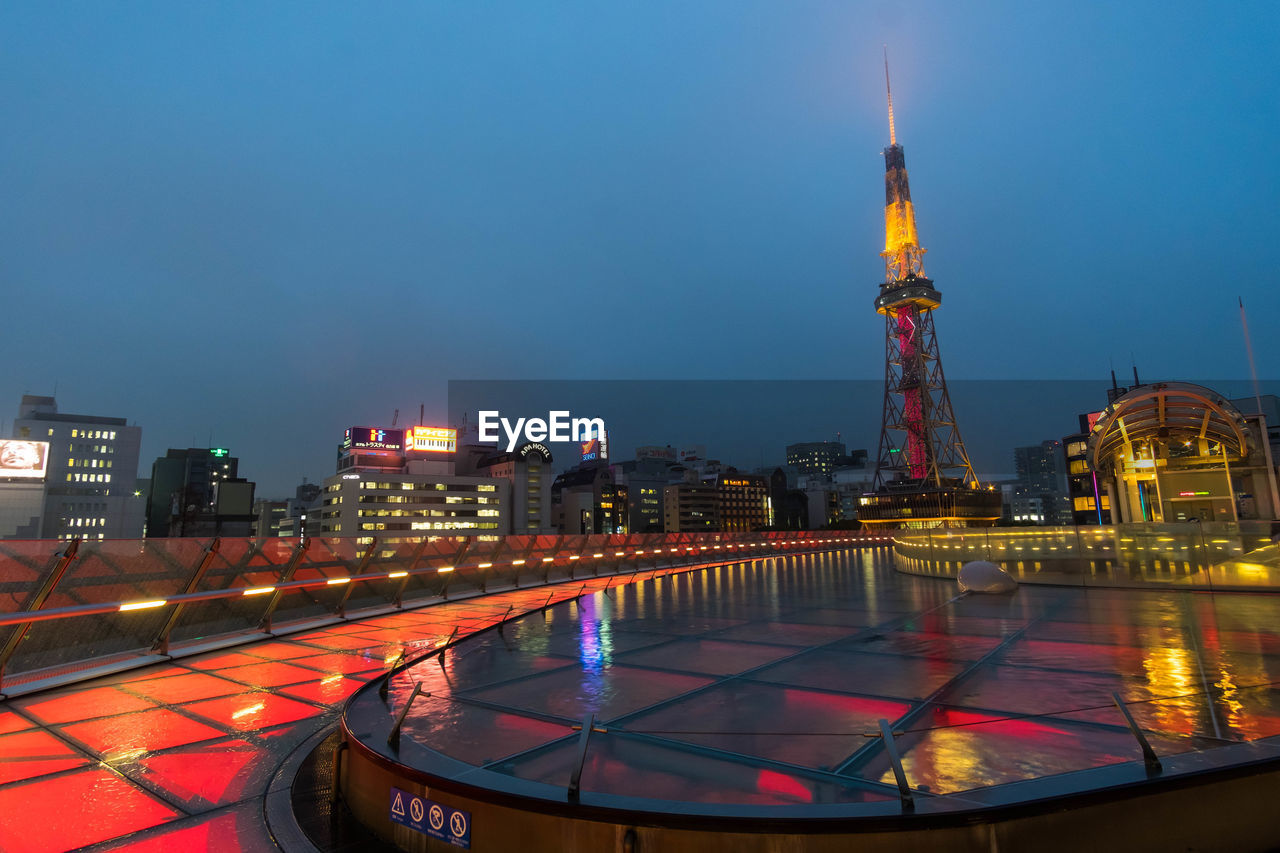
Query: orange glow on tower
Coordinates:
[922,461]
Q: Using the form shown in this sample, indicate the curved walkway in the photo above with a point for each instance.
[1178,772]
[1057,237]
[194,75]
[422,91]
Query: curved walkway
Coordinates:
[182,755]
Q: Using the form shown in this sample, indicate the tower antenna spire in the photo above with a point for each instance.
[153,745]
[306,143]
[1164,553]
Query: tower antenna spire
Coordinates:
[893,136]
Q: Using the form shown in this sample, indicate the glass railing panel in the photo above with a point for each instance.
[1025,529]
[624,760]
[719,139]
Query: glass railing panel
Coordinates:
[23,565]
[201,621]
[115,570]
[63,642]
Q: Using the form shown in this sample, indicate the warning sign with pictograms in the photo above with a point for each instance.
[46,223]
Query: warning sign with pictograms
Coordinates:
[435,819]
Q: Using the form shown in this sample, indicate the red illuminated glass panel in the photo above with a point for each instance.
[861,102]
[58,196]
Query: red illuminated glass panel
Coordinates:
[211,774]
[65,812]
[329,690]
[84,705]
[239,829]
[184,688]
[279,651]
[221,661]
[347,664]
[11,722]
[35,753]
[251,711]
[145,731]
[341,641]
[268,674]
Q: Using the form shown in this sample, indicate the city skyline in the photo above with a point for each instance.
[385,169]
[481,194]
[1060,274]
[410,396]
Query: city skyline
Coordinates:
[230,223]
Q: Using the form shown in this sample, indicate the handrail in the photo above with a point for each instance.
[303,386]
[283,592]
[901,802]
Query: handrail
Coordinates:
[478,564]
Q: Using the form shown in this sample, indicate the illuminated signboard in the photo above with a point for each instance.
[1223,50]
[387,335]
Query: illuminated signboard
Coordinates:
[596,445]
[737,482]
[1093,419]
[374,438]
[535,447]
[220,452]
[22,458]
[425,439]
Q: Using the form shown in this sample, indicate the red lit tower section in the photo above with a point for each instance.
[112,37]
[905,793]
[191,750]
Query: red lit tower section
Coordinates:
[923,474]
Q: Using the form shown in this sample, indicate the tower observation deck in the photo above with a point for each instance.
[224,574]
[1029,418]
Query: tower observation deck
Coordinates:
[923,474]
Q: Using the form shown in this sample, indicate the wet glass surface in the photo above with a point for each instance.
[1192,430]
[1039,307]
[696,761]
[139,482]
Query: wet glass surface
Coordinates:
[739,684]
[782,671]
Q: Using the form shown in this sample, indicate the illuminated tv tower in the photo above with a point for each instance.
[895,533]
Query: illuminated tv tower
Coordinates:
[923,474]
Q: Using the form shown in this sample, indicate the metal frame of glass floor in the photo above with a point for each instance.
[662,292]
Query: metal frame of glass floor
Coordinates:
[750,697]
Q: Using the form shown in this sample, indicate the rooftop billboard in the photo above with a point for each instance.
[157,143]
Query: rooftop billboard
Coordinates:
[23,458]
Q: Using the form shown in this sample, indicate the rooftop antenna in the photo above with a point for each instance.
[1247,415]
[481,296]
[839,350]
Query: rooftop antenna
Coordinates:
[893,136]
[1248,345]
[422,410]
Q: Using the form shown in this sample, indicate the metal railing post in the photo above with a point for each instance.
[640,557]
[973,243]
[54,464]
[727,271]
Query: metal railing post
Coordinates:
[397,600]
[1149,756]
[295,560]
[575,779]
[546,567]
[393,738]
[573,563]
[161,642]
[891,749]
[53,576]
[360,569]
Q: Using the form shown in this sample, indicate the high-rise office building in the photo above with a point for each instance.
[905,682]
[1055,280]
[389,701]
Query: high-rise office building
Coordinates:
[396,485]
[527,470]
[817,458]
[1040,495]
[691,507]
[743,502]
[587,499]
[197,492]
[91,473]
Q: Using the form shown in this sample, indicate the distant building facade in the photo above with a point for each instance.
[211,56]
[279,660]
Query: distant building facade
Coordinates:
[197,491]
[91,475]
[527,470]
[743,503]
[587,499]
[1040,495]
[691,507]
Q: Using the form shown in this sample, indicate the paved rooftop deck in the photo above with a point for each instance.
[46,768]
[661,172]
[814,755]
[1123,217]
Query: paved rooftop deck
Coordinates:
[782,666]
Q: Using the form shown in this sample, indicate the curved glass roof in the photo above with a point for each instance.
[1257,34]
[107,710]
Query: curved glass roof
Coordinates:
[755,686]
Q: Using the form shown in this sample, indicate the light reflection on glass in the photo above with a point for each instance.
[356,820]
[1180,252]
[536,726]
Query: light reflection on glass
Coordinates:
[1169,673]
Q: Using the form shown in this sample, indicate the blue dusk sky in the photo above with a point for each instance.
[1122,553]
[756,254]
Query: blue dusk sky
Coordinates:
[255,224]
